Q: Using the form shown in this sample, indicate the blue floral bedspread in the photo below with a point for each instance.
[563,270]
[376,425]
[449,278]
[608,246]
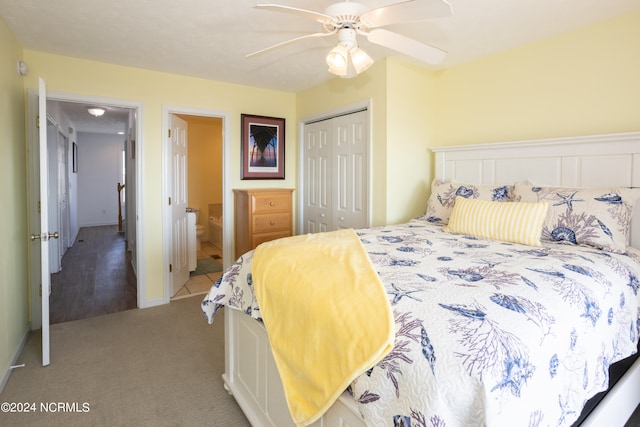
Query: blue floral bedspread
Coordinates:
[488,333]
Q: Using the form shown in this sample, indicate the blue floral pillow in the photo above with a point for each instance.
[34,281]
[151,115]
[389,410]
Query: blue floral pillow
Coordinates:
[598,217]
[444,193]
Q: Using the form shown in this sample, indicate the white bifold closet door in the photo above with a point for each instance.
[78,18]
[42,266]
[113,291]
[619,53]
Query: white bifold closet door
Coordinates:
[336,175]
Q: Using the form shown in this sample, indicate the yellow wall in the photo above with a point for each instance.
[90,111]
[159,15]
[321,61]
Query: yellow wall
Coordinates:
[14,294]
[411,128]
[154,89]
[580,83]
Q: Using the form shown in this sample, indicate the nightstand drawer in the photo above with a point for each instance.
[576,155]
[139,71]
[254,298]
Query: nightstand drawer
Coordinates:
[272,222]
[266,203]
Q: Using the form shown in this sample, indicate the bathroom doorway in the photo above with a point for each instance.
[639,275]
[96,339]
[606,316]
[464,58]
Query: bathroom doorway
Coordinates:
[205,184]
[204,195]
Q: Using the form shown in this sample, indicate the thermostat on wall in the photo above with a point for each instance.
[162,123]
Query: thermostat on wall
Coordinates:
[22,68]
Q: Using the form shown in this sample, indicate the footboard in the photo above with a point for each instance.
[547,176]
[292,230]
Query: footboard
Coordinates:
[251,376]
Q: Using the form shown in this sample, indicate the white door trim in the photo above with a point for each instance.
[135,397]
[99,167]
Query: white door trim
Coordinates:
[168,110]
[346,109]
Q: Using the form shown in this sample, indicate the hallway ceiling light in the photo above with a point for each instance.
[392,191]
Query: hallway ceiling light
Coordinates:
[96,111]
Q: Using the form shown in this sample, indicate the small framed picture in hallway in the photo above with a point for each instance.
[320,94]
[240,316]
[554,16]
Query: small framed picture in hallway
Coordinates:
[75,158]
[262,147]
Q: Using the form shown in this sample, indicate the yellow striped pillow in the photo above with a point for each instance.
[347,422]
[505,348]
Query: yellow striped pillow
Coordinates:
[517,222]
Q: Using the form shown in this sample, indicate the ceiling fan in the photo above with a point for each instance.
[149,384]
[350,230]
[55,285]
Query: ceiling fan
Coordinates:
[348,19]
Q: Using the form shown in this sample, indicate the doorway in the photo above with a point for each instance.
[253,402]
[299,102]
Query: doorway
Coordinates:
[205,197]
[203,160]
[70,167]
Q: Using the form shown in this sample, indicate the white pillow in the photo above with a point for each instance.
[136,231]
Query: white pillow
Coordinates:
[444,193]
[598,217]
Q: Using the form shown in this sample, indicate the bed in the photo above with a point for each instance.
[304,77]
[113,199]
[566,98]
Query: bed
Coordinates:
[510,331]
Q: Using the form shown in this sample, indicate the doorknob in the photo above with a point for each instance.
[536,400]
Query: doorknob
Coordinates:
[45,237]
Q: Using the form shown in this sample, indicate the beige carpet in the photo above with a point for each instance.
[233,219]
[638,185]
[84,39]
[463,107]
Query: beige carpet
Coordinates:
[158,366]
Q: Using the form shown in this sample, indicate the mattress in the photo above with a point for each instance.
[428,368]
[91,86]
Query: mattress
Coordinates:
[487,332]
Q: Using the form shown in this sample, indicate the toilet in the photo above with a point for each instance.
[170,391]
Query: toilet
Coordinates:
[199,229]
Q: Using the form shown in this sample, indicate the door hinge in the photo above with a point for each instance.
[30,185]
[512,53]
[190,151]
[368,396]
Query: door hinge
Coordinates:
[40,289]
[169,201]
[170,268]
[169,132]
[38,122]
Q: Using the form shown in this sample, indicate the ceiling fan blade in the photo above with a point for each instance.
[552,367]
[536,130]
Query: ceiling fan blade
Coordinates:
[316,16]
[288,42]
[406,45]
[406,11]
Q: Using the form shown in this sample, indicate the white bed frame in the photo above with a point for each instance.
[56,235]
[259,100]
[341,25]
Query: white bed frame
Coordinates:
[251,375]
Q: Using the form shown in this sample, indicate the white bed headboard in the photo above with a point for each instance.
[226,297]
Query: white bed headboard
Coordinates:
[586,161]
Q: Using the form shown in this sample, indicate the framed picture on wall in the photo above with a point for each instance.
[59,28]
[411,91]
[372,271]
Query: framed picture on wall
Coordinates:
[75,158]
[262,147]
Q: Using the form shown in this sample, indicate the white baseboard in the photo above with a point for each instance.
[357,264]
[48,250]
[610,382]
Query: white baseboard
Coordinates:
[98,224]
[7,371]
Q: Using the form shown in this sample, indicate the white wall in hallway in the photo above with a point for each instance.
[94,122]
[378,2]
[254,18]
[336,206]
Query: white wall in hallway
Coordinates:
[99,158]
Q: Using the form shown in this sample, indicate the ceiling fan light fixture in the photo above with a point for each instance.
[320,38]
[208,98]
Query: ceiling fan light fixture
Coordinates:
[96,111]
[349,19]
[337,60]
[361,61]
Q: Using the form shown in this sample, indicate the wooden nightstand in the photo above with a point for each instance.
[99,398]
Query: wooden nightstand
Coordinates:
[262,215]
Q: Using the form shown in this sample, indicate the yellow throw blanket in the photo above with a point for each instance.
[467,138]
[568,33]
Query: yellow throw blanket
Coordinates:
[326,314]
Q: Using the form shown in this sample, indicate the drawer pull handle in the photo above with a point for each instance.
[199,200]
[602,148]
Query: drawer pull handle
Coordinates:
[272,204]
[272,222]
[341,218]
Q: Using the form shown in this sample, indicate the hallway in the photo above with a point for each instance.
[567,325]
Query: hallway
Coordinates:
[96,277]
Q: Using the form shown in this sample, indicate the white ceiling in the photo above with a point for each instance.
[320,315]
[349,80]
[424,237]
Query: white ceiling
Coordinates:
[210,38]
[114,119]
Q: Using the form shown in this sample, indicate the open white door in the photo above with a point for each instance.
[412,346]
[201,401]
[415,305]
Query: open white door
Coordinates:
[44,220]
[179,199]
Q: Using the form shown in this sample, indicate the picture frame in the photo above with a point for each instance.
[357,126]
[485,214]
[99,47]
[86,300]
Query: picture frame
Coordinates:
[263,146]
[75,158]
